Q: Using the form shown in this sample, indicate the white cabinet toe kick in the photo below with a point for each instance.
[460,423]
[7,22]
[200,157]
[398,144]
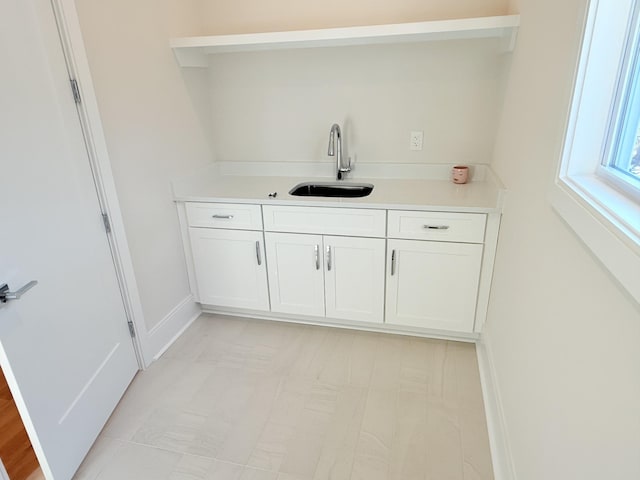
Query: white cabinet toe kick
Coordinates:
[425,273]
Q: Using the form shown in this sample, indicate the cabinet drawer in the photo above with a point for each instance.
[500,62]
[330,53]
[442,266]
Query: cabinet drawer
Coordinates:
[438,226]
[224,215]
[330,221]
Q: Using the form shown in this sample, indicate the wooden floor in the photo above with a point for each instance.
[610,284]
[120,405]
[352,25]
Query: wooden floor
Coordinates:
[16,452]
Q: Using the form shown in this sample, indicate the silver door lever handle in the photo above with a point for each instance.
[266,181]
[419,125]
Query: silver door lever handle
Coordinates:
[6,295]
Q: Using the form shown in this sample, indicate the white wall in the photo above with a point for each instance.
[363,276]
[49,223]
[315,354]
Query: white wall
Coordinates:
[564,337]
[243,16]
[279,106]
[151,115]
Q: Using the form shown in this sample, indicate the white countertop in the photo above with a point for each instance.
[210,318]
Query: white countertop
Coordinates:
[213,184]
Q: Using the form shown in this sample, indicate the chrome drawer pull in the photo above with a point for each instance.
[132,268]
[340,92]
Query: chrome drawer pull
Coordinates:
[436,227]
[225,217]
[393,262]
[328,258]
[258,254]
[316,249]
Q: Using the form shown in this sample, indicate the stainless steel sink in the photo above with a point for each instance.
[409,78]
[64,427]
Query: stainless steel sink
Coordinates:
[331,189]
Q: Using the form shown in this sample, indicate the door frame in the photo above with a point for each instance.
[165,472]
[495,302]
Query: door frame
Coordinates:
[77,62]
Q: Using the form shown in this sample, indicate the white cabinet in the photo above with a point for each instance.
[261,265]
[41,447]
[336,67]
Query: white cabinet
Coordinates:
[414,269]
[229,267]
[435,261]
[296,273]
[354,278]
[336,277]
[433,284]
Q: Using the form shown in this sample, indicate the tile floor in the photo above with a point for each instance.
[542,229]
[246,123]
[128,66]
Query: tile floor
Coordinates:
[239,399]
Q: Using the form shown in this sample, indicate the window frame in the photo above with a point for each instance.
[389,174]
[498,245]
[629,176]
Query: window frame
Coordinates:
[625,113]
[602,210]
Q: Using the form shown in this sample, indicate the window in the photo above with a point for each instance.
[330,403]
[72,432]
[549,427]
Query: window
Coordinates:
[597,188]
[621,161]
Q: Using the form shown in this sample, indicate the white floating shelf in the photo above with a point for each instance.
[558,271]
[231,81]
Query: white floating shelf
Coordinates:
[193,51]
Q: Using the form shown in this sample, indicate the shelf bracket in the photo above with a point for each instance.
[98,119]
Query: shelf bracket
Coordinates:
[191,57]
[509,38]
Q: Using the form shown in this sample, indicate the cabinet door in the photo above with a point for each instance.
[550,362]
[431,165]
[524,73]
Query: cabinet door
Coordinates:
[230,268]
[296,277]
[354,278]
[433,284]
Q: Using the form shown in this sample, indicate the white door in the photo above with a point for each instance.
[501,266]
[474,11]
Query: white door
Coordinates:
[296,279]
[230,268]
[354,278]
[433,284]
[64,346]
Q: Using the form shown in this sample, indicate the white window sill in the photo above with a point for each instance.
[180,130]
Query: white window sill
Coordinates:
[606,221]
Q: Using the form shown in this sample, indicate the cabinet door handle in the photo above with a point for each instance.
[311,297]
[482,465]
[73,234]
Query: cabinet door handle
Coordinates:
[225,217]
[316,250]
[393,262]
[258,253]
[436,227]
[328,258]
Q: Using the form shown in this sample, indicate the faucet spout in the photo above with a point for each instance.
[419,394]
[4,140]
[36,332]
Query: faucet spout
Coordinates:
[335,149]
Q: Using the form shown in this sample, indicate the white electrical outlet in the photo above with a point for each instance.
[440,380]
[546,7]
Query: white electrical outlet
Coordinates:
[415,140]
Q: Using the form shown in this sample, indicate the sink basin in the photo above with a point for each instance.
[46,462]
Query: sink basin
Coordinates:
[331,189]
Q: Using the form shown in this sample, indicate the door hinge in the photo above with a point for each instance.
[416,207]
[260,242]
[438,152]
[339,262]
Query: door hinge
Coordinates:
[76,90]
[132,331]
[107,223]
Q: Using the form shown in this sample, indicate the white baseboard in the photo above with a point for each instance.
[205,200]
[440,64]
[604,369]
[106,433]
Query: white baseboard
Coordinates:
[162,336]
[503,466]
[346,324]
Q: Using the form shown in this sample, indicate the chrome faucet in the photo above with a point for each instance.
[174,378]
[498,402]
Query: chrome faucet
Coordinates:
[335,149]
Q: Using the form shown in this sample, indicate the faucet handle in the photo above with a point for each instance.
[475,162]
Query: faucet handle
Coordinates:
[343,170]
[348,167]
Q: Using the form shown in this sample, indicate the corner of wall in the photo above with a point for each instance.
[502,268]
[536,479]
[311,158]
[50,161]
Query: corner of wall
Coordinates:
[162,335]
